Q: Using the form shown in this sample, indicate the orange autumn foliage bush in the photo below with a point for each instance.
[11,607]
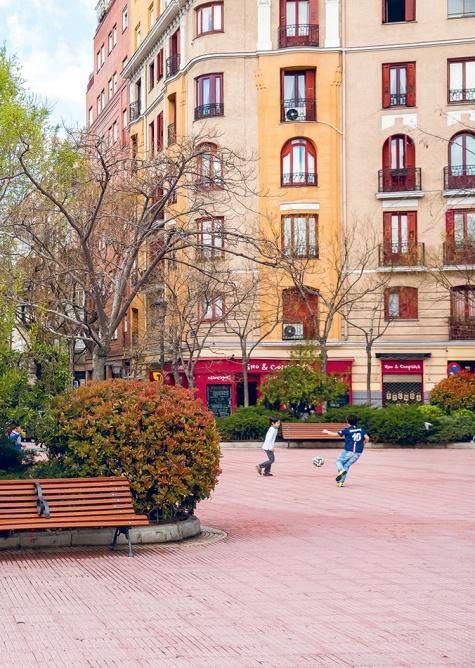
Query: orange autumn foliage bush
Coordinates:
[163,441]
[455,392]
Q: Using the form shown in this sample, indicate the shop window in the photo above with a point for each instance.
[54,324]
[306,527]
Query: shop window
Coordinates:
[399,85]
[298,163]
[211,237]
[209,166]
[401,303]
[300,235]
[461,80]
[397,11]
[298,96]
[209,18]
[299,313]
[209,96]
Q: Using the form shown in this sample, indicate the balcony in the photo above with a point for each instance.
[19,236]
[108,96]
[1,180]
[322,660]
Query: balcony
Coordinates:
[399,180]
[171,134]
[303,34]
[173,65]
[457,96]
[459,177]
[209,110]
[134,110]
[299,179]
[461,329]
[297,110]
[459,252]
[398,100]
[402,255]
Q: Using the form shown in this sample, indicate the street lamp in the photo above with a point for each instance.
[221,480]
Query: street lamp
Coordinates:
[160,307]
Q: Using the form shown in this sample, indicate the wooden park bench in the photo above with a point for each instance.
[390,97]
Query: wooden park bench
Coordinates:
[310,431]
[69,503]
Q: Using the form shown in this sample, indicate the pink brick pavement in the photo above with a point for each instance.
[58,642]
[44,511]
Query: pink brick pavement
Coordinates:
[378,573]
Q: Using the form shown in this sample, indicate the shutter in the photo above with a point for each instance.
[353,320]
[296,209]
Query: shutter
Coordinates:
[386,304]
[387,236]
[411,84]
[410,10]
[283,14]
[386,86]
[409,153]
[313,14]
[412,227]
[387,154]
[310,94]
[177,42]
[450,236]
[408,307]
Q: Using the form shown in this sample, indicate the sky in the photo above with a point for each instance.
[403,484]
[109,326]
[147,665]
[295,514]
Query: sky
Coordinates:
[52,40]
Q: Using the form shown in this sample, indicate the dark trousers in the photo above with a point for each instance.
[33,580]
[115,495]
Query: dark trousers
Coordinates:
[270,460]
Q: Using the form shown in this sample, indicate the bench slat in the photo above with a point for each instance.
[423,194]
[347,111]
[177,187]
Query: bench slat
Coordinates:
[310,431]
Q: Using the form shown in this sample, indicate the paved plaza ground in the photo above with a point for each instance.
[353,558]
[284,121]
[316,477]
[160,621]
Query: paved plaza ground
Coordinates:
[378,573]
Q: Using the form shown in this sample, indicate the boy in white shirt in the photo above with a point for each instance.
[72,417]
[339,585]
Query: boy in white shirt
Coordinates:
[268,446]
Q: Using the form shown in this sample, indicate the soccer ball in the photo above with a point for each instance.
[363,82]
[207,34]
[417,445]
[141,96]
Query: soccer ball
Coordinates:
[318,461]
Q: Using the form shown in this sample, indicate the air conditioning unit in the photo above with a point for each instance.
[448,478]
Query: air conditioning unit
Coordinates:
[292,331]
[292,114]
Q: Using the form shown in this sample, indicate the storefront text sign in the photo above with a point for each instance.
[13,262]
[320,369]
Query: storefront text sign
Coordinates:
[398,366]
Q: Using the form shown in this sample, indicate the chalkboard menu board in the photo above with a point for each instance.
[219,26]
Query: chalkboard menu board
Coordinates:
[219,399]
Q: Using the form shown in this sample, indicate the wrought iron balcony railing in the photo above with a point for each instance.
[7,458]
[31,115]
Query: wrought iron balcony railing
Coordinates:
[462,95]
[398,99]
[134,110]
[456,252]
[209,110]
[461,329]
[299,179]
[298,109]
[459,177]
[402,255]
[302,34]
[173,65]
[399,180]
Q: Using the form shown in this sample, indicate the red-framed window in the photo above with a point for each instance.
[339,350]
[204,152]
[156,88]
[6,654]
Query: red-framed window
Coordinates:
[151,75]
[399,164]
[300,235]
[399,85]
[209,96]
[298,23]
[212,308]
[460,227]
[401,303]
[151,138]
[298,95]
[397,11]
[399,232]
[300,307]
[462,302]
[209,166]
[298,163]
[211,237]
[462,154]
[160,65]
[160,131]
[209,18]
[461,80]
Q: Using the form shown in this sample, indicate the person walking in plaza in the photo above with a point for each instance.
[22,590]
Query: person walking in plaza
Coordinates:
[14,437]
[355,440]
[268,446]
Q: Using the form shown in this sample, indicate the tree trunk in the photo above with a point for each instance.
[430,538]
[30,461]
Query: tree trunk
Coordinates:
[324,356]
[245,380]
[99,358]
[368,373]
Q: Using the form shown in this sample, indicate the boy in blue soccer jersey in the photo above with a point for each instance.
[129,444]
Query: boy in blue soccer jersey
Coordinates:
[355,440]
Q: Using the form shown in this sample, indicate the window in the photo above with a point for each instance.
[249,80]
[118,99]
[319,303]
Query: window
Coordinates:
[396,11]
[400,237]
[110,88]
[300,307]
[461,8]
[209,18]
[299,235]
[114,36]
[298,23]
[98,61]
[399,85]
[209,96]
[461,81]
[298,163]
[98,105]
[103,55]
[124,62]
[115,131]
[463,302]
[114,78]
[401,303]
[151,138]
[151,75]
[210,237]
[298,95]
[124,126]
[399,173]
[125,18]
[91,116]
[135,326]
[109,42]
[138,36]
[103,99]
[160,131]
[173,61]
[209,167]
[212,308]
[160,65]
[461,172]
[151,16]
[460,236]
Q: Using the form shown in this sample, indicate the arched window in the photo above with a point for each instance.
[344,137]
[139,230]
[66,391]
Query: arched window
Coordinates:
[299,163]
[462,312]
[399,160]
[462,161]
[209,167]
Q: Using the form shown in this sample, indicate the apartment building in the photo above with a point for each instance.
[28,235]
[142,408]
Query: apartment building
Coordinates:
[409,176]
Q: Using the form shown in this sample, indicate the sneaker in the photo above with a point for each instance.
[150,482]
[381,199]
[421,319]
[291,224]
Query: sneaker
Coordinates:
[340,484]
[268,474]
[259,470]
[341,475]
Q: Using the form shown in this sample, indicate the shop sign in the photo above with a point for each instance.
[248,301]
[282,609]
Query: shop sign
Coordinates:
[404,367]
[265,366]
[220,379]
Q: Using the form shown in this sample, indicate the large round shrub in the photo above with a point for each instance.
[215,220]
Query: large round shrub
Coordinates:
[455,392]
[159,437]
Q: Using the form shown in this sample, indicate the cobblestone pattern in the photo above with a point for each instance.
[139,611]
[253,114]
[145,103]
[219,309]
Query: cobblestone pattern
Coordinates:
[377,573]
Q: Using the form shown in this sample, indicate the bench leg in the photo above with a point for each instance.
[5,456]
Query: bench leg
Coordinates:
[131,552]
[114,541]
[126,532]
